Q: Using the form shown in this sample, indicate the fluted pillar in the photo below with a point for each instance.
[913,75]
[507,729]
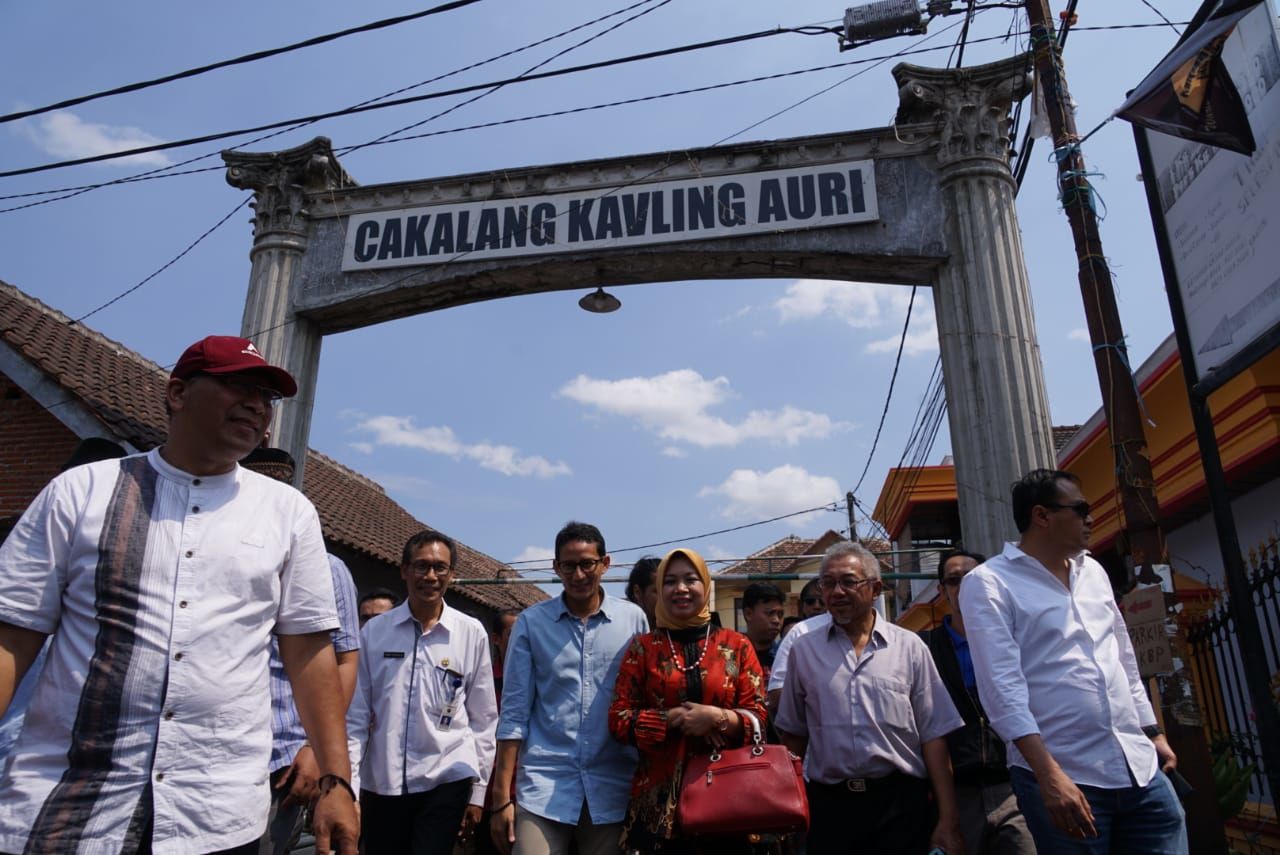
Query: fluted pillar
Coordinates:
[996,401]
[281,181]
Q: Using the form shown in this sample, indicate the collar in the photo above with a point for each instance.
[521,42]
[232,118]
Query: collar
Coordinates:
[1014,553]
[172,473]
[956,638]
[403,614]
[602,610]
[877,631]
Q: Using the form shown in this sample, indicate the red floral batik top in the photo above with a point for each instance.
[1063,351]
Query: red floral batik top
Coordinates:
[723,672]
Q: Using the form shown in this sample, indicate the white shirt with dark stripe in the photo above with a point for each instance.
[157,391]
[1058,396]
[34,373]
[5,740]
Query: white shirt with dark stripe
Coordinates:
[161,591]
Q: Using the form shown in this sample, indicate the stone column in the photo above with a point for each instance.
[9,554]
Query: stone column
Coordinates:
[281,181]
[996,401]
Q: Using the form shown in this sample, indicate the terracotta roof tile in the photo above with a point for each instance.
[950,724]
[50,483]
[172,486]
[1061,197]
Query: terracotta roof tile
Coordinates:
[126,392]
[774,558]
[1062,435]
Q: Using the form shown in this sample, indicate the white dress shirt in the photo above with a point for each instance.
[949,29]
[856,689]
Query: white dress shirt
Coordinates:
[424,712]
[778,673]
[1058,662]
[161,590]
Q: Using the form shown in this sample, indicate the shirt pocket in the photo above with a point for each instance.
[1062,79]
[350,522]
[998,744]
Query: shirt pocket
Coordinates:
[888,701]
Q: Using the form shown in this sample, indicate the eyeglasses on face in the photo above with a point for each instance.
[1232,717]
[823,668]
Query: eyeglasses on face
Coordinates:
[812,601]
[1081,507]
[848,584]
[586,565]
[423,569]
[245,388]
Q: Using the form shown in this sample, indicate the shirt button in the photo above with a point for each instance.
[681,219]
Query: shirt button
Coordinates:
[168,714]
[195,509]
[195,482]
[159,776]
[190,553]
[182,605]
[177,657]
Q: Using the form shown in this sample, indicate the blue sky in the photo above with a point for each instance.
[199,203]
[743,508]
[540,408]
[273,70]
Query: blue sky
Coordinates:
[700,405]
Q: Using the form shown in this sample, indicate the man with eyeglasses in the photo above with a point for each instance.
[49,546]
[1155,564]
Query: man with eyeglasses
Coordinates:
[989,816]
[811,602]
[574,778]
[863,704]
[422,722]
[1060,683]
[161,577]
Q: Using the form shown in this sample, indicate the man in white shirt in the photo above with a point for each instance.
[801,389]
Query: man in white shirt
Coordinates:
[160,577]
[424,714]
[1059,682]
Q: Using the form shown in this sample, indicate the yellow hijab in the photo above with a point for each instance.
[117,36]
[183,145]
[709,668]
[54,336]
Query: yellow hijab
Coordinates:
[702,618]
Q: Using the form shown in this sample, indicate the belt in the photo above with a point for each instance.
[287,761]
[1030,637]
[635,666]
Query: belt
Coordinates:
[865,785]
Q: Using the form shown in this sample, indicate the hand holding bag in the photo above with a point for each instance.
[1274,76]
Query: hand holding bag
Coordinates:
[755,789]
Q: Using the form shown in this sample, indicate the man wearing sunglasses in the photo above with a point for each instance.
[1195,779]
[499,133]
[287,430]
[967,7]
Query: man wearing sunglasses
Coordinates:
[1059,681]
[161,577]
[989,816]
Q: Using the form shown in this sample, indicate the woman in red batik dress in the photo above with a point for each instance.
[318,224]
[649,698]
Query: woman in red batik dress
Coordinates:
[679,692]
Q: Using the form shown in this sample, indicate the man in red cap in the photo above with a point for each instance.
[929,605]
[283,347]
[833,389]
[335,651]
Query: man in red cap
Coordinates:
[161,577]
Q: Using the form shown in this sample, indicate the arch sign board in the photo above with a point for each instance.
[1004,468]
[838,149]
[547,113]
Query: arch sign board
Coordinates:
[632,215]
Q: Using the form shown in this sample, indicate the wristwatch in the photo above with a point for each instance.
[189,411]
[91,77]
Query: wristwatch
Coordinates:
[326,783]
[723,724]
[1151,731]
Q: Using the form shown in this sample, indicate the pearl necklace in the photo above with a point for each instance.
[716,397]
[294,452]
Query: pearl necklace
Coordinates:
[706,644]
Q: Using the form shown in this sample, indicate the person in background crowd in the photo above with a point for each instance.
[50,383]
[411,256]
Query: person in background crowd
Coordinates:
[989,818]
[500,637]
[293,767]
[811,602]
[89,450]
[559,675]
[377,601]
[787,622]
[422,723]
[1059,681]
[762,615]
[863,704]
[679,693]
[161,577]
[642,589]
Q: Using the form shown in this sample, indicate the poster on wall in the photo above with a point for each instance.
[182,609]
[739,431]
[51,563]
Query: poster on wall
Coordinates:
[1220,209]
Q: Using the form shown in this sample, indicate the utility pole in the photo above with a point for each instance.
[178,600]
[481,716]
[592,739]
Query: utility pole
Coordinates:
[1135,484]
[853,523]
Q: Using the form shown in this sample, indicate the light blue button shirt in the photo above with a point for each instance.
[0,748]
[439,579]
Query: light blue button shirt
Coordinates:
[558,683]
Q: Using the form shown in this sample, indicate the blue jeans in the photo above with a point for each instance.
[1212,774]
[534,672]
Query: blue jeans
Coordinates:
[1134,820]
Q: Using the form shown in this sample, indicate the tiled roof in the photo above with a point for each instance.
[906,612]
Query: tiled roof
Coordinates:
[774,558]
[1062,435]
[126,391]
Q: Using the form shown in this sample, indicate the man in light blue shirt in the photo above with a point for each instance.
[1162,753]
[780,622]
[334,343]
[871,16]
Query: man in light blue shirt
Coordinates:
[562,662]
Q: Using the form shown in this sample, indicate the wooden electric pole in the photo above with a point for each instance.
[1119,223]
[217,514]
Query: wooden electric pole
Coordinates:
[1135,485]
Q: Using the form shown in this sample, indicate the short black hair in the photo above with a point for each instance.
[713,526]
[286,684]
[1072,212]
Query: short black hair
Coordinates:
[575,531]
[1037,487]
[379,594]
[761,592]
[812,588]
[424,537]
[495,622]
[957,553]
[642,575]
[790,620]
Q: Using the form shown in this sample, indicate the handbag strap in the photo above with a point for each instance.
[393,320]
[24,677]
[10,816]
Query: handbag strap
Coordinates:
[757,738]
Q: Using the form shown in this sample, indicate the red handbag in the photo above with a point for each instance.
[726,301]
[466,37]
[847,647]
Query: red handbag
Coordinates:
[755,789]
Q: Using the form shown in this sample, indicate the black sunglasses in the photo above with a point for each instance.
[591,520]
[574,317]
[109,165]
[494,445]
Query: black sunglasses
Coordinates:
[1081,507]
[809,601]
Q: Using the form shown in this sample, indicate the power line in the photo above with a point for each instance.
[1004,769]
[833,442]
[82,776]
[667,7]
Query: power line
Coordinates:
[829,506]
[893,378]
[462,90]
[240,60]
[169,171]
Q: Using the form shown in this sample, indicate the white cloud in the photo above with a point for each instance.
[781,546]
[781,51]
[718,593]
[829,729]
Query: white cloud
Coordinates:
[717,553]
[400,431]
[674,406]
[539,554]
[1079,334]
[363,447]
[64,134]
[782,490]
[674,451]
[863,305]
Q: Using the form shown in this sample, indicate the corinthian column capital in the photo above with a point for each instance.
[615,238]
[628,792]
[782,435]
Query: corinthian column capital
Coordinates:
[281,181]
[968,106]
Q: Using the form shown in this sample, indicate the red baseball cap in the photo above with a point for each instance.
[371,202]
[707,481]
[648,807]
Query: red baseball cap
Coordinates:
[228,354]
